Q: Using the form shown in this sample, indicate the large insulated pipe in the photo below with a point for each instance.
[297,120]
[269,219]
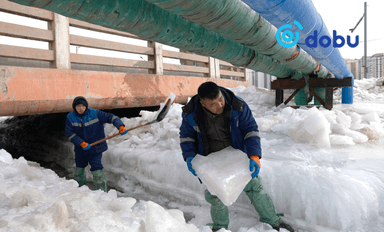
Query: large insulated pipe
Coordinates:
[282,12]
[155,24]
[237,21]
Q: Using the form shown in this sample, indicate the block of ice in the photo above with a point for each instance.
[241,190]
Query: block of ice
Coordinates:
[5,157]
[158,219]
[225,173]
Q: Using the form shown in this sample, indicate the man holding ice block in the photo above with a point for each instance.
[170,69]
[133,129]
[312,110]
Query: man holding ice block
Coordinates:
[212,120]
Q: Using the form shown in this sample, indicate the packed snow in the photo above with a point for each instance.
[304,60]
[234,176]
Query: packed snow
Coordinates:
[322,168]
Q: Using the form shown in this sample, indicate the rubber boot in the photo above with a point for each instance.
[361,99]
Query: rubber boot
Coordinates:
[262,202]
[99,180]
[219,212]
[80,176]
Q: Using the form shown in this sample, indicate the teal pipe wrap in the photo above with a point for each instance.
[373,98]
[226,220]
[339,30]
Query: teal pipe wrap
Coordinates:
[226,17]
[155,24]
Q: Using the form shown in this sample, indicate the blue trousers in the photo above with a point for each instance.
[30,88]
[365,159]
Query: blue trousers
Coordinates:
[94,159]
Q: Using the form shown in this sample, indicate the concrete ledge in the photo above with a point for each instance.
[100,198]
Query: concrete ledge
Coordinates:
[27,91]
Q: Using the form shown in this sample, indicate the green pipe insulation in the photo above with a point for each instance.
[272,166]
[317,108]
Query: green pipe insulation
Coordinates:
[237,21]
[155,24]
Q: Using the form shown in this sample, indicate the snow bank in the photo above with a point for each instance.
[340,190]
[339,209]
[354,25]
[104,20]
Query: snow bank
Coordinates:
[36,199]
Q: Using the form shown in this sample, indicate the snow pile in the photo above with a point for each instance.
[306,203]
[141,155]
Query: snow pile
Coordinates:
[343,125]
[322,169]
[365,90]
[36,199]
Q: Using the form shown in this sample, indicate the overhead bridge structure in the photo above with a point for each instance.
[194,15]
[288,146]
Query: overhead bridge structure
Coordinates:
[216,39]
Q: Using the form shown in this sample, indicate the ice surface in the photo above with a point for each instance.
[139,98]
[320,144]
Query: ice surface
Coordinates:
[225,173]
[334,189]
[160,220]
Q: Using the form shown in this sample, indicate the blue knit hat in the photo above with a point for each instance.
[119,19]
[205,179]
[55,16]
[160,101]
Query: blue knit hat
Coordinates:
[80,101]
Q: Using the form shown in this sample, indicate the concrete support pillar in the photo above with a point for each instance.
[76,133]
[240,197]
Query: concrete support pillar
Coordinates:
[60,28]
[157,58]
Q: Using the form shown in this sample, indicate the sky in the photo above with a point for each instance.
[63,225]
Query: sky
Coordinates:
[342,15]
[323,169]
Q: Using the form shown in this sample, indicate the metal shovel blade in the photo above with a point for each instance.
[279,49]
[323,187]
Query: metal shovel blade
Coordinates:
[164,107]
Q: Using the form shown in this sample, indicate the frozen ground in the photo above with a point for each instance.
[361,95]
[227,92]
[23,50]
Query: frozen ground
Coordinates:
[323,170]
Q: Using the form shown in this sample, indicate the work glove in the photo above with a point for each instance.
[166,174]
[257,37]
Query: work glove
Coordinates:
[122,130]
[254,163]
[189,164]
[85,146]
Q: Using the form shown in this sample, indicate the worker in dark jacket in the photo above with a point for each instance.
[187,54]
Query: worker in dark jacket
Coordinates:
[83,127]
[212,120]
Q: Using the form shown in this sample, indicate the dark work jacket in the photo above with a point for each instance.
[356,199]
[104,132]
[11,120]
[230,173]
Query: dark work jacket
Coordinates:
[239,123]
[89,128]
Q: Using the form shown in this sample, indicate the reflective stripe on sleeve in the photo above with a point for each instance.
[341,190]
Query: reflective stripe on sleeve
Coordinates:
[250,134]
[182,140]
[113,118]
[71,137]
[91,122]
[196,128]
[76,124]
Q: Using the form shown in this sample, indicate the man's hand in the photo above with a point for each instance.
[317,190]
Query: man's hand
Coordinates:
[254,163]
[189,164]
[85,146]
[122,130]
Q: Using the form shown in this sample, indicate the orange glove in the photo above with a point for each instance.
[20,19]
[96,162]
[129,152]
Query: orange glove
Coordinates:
[85,146]
[122,130]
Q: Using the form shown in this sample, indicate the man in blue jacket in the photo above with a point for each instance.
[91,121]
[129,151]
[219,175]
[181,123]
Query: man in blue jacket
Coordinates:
[212,120]
[83,127]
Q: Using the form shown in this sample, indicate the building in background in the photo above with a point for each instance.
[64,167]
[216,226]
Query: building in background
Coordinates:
[375,64]
[355,66]
[260,80]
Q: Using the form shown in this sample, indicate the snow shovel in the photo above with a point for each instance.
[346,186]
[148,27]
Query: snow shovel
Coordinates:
[164,108]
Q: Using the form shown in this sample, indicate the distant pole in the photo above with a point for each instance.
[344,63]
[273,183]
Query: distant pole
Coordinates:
[365,41]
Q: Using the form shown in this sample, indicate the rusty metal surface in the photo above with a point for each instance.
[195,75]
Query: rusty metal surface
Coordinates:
[27,91]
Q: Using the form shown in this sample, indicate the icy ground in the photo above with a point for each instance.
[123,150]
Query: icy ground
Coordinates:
[323,170]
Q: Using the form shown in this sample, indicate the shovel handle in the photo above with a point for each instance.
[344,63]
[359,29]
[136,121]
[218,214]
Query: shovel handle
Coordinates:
[114,135]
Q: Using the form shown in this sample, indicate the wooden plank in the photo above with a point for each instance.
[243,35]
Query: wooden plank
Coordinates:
[32,12]
[24,32]
[313,83]
[231,73]
[318,97]
[212,71]
[225,63]
[279,97]
[26,53]
[109,45]
[329,98]
[108,61]
[157,58]
[292,95]
[93,27]
[185,68]
[308,106]
[185,56]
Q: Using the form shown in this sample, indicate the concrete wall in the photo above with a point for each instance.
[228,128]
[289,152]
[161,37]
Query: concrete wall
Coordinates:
[27,91]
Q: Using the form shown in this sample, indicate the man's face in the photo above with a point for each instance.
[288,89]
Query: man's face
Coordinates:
[80,108]
[216,105]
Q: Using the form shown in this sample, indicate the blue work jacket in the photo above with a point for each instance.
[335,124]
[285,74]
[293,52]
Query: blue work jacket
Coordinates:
[241,126]
[89,128]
